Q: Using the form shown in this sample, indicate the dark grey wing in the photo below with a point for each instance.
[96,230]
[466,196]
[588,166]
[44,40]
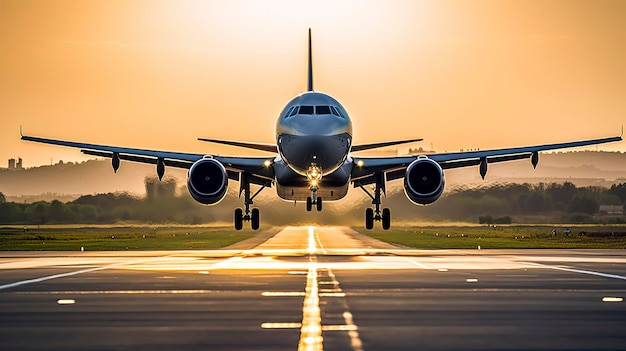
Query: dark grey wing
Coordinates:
[258,167]
[363,147]
[366,168]
[255,146]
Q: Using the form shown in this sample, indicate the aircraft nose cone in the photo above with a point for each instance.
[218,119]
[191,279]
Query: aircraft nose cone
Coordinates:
[319,125]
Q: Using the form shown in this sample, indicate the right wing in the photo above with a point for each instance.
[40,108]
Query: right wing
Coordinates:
[366,169]
[257,167]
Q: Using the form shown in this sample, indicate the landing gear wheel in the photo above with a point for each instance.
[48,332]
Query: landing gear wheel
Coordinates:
[369,218]
[386,219]
[238,219]
[319,204]
[309,204]
[255,220]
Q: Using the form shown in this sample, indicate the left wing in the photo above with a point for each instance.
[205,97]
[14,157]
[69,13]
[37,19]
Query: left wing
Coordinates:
[365,168]
[256,166]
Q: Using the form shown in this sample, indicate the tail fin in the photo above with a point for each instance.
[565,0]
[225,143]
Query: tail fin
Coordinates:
[310,85]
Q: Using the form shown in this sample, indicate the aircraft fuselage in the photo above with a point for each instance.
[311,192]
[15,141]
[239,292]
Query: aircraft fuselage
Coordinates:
[313,135]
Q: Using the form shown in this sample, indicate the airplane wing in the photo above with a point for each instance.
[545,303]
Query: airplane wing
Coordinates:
[366,168]
[257,166]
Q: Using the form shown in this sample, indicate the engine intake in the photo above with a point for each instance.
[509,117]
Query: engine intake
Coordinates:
[423,181]
[207,181]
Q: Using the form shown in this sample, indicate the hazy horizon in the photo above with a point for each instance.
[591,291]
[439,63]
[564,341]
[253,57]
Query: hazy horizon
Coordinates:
[460,74]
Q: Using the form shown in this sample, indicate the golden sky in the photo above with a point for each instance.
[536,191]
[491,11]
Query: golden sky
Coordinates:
[159,74]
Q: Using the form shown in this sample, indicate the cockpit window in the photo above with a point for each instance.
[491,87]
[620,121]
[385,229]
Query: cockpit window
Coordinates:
[294,111]
[322,110]
[337,112]
[306,110]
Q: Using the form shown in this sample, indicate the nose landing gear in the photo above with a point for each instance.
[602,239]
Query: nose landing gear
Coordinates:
[314,200]
[314,175]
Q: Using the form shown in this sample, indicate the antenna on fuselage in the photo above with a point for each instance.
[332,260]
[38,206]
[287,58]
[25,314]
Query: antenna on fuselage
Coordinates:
[310,85]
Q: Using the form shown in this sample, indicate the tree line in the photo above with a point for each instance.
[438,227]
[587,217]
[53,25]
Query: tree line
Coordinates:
[165,202]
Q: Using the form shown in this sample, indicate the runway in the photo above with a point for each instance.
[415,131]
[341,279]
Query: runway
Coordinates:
[314,288]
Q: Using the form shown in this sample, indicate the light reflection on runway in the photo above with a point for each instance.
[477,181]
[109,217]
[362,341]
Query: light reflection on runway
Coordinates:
[317,287]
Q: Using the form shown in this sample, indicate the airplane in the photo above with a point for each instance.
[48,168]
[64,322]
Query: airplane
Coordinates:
[313,160]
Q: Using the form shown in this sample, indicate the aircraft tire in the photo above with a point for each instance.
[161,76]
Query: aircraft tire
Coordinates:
[386,219]
[238,219]
[319,204]
[255,220]
[369,218]
[309,204]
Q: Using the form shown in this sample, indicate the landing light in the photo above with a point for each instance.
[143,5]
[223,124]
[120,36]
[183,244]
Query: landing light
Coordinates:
[267,163]
[360,163]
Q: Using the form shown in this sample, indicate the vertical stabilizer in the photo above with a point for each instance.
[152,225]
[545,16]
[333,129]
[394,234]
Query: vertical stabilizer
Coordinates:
[310,84]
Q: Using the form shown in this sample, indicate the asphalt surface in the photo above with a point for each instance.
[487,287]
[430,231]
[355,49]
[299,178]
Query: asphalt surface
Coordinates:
[314,288]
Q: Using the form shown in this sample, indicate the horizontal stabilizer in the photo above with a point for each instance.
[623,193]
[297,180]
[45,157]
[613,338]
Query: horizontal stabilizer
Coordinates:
[256,146]
[363,147]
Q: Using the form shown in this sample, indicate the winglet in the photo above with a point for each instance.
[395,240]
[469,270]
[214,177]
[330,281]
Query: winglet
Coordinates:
[622,133]
[22,134]
[310,84]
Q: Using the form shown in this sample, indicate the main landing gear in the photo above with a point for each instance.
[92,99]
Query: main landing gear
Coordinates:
[252,216]
[371,214]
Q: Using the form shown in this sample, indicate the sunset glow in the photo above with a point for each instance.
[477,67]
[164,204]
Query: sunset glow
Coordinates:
[159,74]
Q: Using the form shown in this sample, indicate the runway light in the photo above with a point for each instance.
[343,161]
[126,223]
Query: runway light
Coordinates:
[612,299]
[334,294]
[203,272]
[471,280]
[340,327]
[66,302]
[282,293]
[281,325]
[442,269]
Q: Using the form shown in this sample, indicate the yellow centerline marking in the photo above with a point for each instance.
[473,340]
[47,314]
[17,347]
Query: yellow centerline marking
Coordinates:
[311,330]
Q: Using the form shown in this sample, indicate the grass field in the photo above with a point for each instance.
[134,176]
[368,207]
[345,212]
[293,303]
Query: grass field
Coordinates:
[105,238]
[100,238]
[503,237]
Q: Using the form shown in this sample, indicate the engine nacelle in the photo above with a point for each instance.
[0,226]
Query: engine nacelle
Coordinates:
[207,181]
[423,181]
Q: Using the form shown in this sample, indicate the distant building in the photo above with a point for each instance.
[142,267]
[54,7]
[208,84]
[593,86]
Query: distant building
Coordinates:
[15,165]
[612,210]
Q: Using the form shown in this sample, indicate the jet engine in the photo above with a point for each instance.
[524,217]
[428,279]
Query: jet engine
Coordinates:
[423,181]
[207,181]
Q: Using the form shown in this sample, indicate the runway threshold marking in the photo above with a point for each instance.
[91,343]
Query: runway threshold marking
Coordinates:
[421,265]
[580,271]
[82,271]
